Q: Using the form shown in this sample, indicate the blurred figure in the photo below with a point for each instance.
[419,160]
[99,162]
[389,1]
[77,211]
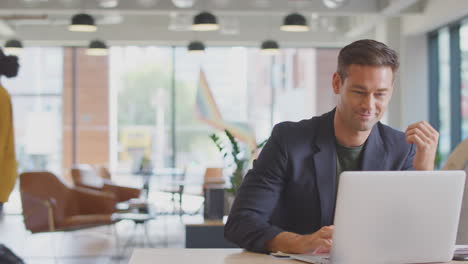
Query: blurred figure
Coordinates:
[458,159]
[8,168]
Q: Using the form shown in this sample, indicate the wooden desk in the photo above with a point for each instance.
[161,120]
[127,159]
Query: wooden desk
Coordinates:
[208,256]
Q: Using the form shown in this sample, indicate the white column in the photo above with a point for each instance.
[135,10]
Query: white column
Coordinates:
[414,80]
[389,32]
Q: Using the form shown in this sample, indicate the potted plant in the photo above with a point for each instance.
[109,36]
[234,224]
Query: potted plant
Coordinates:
[236,159]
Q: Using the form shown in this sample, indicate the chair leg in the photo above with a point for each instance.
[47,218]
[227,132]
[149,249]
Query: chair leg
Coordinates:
[181,211]
[173,201]
[146,234]
[166,243]
[119,252]
[131,241]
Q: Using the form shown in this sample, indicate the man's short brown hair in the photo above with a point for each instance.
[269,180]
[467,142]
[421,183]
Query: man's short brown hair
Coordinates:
[366,52]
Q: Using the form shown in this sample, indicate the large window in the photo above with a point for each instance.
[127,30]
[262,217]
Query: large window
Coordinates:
[225,70]
[157,99]
[141,87]
[464,78]
[449,84]
[302,89]
[444,93]
[36,95]
[37,107]
[145,102]
[153,102]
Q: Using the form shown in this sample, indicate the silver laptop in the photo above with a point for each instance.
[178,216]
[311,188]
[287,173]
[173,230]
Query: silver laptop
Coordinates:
[395,217]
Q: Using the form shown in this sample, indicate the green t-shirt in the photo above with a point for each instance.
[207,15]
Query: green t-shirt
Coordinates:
[347,159]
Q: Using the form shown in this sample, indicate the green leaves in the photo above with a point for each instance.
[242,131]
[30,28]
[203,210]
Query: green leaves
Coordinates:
[234,156]
[260,145]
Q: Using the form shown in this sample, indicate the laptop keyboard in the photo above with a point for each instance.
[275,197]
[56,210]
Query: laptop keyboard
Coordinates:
[312,258]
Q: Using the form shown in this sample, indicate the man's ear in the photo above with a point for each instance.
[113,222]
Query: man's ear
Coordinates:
[336,83]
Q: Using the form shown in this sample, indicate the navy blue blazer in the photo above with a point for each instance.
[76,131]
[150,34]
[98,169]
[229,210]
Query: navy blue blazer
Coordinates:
[292,184]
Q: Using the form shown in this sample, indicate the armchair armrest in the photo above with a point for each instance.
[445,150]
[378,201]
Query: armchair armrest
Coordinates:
[94,202]
[80,185]
[123,193]
[38,213]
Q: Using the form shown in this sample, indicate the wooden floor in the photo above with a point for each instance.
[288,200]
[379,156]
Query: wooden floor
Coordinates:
[94,245]
[99,244]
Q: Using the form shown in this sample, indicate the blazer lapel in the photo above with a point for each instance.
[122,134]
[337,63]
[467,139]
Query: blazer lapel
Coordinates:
[325,163]
[325,167]
[375,154]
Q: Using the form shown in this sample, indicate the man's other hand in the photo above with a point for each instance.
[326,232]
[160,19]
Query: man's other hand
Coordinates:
[426,138]
[318,242]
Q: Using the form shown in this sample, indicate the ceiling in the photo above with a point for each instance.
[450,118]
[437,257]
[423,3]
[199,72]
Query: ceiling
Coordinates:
[161,22]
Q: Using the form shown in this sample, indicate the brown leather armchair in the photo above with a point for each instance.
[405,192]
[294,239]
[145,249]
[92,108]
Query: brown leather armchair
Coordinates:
[88,177]
[50,205]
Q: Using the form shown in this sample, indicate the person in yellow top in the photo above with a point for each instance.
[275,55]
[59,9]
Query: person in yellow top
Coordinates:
[8,168]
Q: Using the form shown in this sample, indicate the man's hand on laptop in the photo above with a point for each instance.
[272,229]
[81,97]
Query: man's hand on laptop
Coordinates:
[288,242]
[425,137]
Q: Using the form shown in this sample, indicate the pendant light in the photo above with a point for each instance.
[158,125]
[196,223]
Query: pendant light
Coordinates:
[108,3]
[13,46]
[82,23]
[270,47]
[332,4]
[97,48]
[196,47]
[295,22]
[205,21]
[183,3]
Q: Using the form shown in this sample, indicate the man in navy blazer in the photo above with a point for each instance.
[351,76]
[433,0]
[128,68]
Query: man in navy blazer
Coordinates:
[287,200]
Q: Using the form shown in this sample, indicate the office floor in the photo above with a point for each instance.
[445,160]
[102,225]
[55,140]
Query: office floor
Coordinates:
[95,245]
[99,244]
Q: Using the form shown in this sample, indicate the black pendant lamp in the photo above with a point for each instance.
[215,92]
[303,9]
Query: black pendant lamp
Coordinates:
[97,48]
[82,23]
[295,23]
[205,21]
[196,47]
[270,47]
[13,46]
